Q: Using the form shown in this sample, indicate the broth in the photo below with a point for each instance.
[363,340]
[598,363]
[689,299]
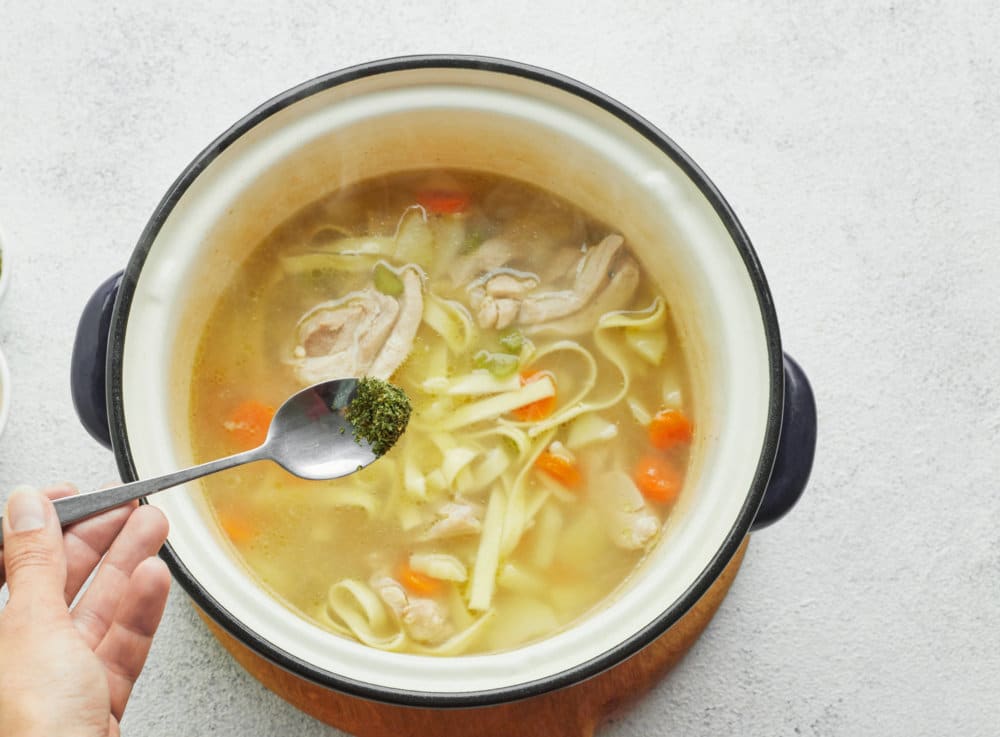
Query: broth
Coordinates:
[549,436]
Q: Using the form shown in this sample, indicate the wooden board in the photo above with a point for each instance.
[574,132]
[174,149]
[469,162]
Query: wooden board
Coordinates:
[576,711]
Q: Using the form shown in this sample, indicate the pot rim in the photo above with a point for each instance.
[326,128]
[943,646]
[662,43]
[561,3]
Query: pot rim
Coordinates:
[627,647]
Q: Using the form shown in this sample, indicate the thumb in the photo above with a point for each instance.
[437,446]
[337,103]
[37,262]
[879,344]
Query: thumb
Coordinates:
[33,553]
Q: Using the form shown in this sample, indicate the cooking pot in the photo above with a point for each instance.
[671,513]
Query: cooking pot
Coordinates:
[135,348]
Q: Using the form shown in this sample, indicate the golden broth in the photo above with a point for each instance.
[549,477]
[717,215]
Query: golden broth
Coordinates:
[477,532]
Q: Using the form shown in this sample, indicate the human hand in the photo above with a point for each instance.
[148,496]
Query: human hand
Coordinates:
[70,671]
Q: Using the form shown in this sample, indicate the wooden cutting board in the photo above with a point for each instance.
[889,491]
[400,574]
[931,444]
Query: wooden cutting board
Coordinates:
[576,711]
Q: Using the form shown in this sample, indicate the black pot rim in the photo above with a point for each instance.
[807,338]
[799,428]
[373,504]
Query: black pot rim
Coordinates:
[633,643]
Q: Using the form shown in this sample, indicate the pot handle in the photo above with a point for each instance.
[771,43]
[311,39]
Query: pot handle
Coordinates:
[796,448]
[88,367]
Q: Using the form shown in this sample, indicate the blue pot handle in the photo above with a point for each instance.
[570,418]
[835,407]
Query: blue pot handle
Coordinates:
[88,368]
[796,448]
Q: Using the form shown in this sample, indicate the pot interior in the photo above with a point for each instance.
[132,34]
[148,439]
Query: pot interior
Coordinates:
[292,154]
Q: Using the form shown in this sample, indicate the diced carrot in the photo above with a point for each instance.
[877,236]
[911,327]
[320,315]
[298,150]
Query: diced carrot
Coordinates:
[237,528]
[657,479]
[249,423]
[443,202]
[670,427]
[561,469]
[535,411]
[417,582]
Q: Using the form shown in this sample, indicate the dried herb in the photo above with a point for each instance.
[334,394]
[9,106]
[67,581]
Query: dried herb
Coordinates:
[378,413]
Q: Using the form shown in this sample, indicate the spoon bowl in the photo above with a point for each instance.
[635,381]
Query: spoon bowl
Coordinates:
[309,436]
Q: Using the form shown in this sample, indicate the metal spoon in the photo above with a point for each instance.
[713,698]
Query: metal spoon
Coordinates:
[309,436]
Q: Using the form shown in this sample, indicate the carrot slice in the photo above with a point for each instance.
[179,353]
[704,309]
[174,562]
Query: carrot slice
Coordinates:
[417,582]
[535,411]
[669,428]
[562,470]
[443,202]
[657,479]
[249,423]
[237,528]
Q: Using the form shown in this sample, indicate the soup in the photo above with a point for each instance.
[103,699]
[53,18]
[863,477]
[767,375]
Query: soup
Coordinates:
[550,430]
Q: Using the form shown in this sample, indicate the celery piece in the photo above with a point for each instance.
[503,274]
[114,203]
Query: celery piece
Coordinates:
[386,280]
[512,340]
[472,241]
[501,365]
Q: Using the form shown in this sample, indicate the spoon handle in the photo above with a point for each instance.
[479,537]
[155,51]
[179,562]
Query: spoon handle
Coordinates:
[75,508]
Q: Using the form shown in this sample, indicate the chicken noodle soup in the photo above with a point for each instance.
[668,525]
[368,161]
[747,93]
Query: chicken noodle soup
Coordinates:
[550,428]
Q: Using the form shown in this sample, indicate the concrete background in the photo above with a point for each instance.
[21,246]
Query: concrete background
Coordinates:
[857,142]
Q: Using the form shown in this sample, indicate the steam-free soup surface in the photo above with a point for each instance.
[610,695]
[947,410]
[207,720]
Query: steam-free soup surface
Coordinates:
[550,431]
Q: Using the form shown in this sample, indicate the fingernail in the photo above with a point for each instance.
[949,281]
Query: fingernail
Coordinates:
[25,511]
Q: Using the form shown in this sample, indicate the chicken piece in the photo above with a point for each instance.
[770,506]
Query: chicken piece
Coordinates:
[615,296]
[337,338]
[496,298]
[364,333]
[633,530]
[391,592]
[557,264]
[507,311]
[593,273]
[491,254]
[629,521]
[456,519]
[400,341]
[426,621]
[510,285]
[498,313]
[604,266]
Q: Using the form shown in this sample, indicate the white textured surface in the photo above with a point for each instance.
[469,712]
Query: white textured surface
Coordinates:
[858,144]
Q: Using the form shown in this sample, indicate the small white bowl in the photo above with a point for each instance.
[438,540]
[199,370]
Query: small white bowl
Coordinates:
[4,392]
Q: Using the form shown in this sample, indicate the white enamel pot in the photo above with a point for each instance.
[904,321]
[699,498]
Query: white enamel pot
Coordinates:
[135,347]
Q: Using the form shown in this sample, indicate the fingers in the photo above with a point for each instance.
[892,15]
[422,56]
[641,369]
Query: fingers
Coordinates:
[33,552]
[126,644]
[87,541]
[141,537]
[54,492]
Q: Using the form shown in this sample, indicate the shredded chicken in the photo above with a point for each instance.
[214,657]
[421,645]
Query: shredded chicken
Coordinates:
[629,521]
[391,592]
[592,274]
[506,298]
[498,313]
[456,519]
[426,621]
[364,333]
[510,285]
[632,530]
[491,254]
[613,297]
[397,347]
[497,297]
[558,263]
